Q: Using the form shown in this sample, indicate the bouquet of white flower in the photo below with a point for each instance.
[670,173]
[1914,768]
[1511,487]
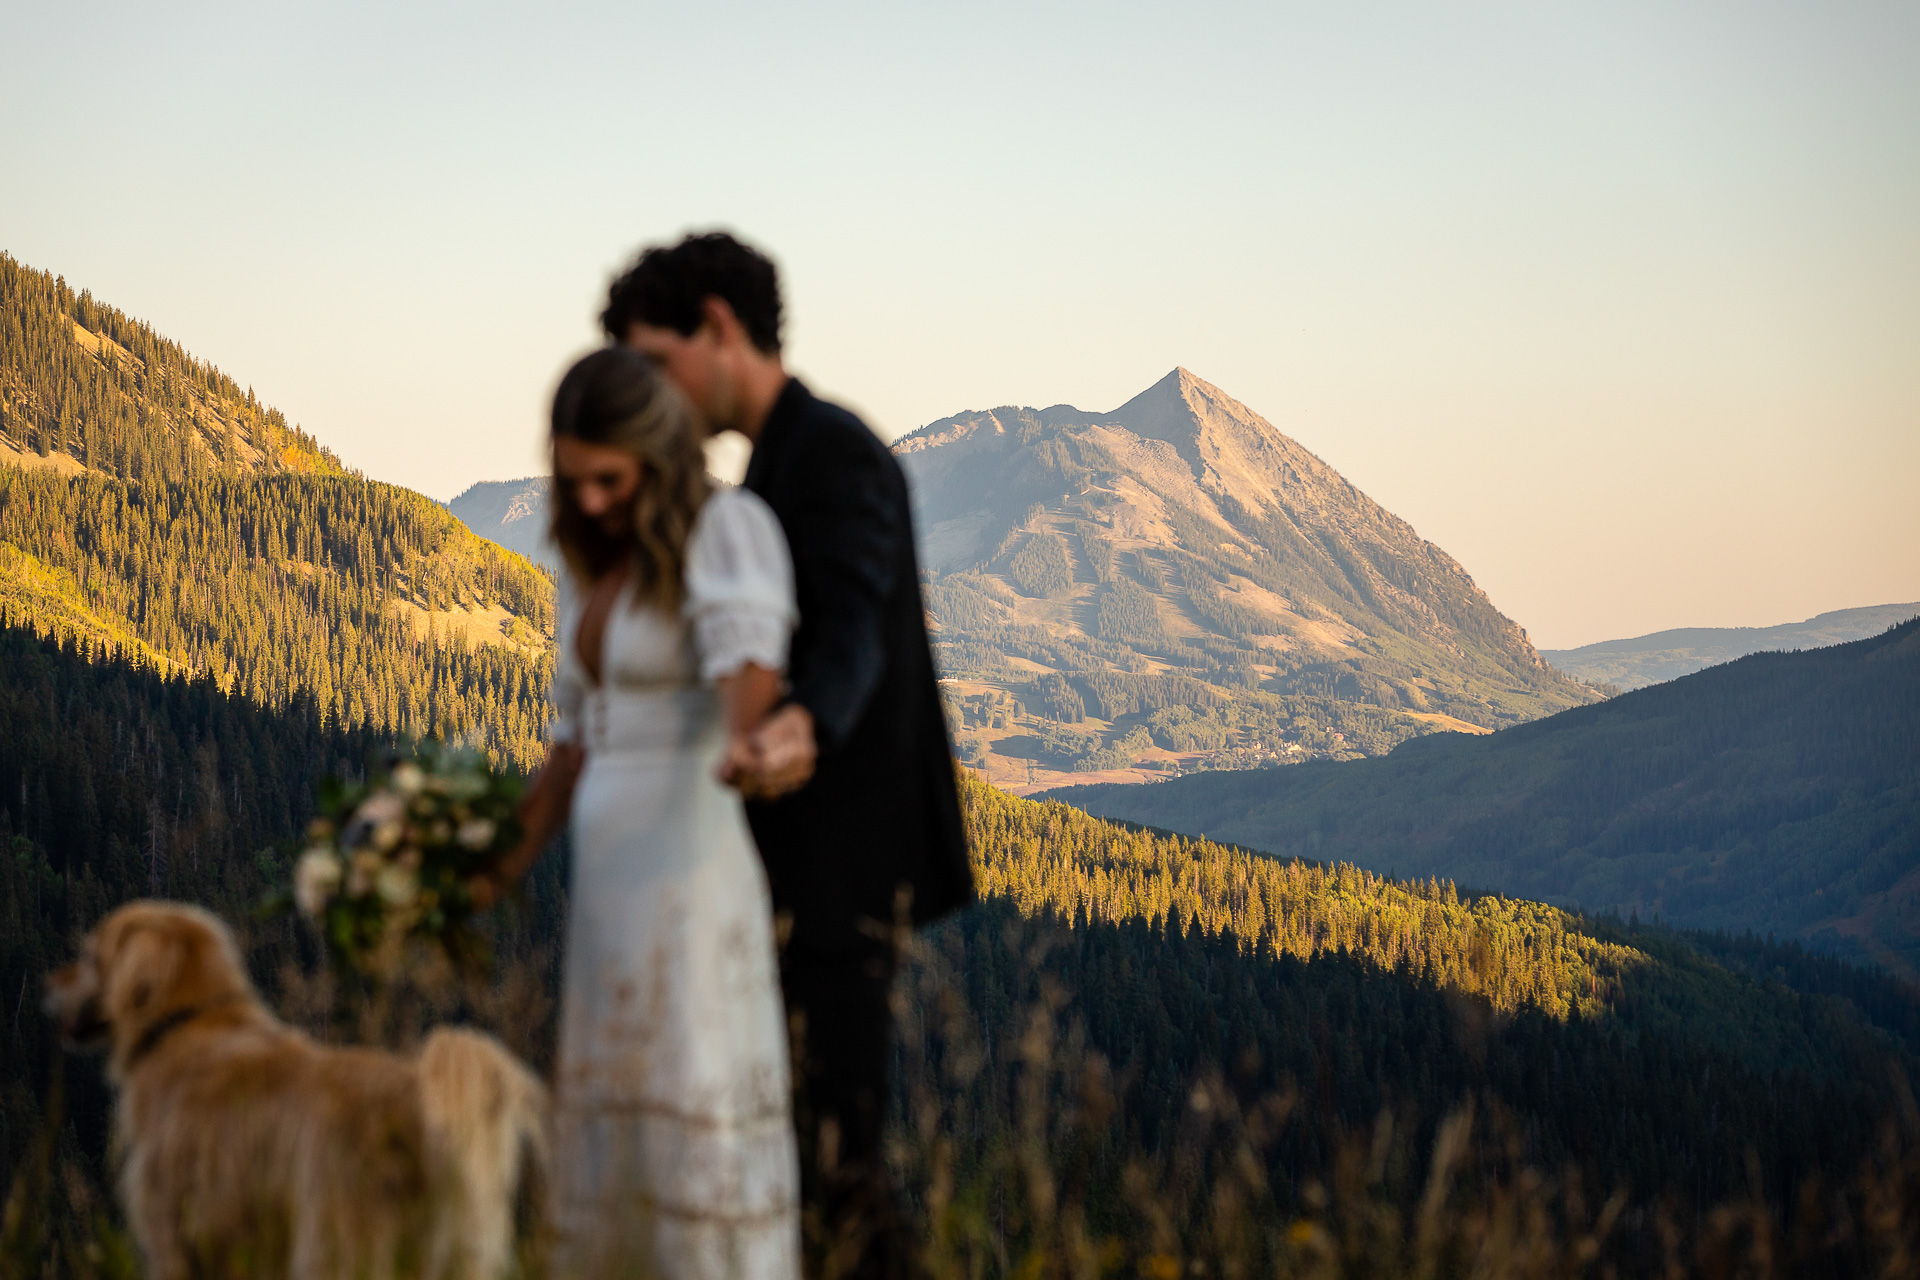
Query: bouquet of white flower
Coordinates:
[389,859]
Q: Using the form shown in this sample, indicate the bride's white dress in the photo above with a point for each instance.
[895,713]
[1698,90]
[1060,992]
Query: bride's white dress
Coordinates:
[674,1147]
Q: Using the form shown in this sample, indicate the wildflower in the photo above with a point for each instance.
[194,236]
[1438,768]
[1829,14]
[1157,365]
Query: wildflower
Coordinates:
[409,778]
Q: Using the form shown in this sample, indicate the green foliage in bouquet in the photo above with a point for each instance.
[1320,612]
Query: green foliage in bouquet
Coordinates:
[388,860]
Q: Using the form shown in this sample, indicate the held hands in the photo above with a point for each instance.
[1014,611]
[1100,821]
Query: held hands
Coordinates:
[774,758]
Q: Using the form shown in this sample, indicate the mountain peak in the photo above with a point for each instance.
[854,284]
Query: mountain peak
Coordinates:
[1182,394]
[1230,449]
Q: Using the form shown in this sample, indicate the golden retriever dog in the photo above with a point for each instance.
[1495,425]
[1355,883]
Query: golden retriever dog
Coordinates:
[247,1149]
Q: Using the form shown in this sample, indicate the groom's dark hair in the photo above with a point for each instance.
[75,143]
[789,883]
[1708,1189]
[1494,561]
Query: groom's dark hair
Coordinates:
[668,286]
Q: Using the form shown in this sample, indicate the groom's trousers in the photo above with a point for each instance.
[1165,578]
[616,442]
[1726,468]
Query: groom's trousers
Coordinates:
[841,1019]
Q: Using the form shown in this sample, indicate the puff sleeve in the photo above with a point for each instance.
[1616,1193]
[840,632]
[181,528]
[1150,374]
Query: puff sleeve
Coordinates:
[739,586]
[569,683]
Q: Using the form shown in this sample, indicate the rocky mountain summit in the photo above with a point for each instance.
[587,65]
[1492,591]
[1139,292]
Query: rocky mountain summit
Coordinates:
[512,513]
[1177,584]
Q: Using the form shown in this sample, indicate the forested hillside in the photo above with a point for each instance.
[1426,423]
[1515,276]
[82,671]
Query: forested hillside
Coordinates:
[82,384]
[153,506]
[1250,1066]
[1149,969]
[117,782]
[1779,793]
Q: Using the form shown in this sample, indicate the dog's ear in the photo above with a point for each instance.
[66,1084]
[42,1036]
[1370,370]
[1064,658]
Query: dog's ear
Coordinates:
[141,970]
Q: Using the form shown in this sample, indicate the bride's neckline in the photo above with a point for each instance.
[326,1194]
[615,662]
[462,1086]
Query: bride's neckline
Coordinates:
[590,638]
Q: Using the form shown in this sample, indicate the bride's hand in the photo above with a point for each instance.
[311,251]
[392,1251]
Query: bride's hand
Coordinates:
[740,764]
[485,889]
[543,811]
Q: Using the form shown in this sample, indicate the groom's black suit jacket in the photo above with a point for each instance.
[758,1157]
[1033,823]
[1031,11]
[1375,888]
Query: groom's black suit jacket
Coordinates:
[882,812]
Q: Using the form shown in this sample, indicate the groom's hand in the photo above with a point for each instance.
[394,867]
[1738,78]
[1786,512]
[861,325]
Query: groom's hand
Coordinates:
[787,753]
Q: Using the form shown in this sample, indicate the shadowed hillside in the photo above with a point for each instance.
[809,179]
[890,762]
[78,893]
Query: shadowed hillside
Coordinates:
[1779,793]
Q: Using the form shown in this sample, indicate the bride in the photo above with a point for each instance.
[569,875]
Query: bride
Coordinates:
[674,1143]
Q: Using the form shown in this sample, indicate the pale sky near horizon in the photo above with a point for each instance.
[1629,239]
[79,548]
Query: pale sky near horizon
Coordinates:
[1619,304]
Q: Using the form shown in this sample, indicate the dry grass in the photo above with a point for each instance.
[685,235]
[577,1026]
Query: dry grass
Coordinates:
[1016,1160]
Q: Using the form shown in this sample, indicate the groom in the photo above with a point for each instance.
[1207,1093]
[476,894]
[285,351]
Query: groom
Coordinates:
[850,782]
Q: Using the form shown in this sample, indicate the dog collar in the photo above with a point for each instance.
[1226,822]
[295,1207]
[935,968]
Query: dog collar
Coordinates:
[150,1038]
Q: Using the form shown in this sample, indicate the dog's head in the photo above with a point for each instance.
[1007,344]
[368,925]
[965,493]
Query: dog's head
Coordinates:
[147,965]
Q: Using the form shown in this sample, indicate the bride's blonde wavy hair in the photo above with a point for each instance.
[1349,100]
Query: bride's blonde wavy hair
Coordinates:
[616,398]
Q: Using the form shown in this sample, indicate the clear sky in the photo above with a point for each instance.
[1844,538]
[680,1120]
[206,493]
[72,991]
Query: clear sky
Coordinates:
[1619,303]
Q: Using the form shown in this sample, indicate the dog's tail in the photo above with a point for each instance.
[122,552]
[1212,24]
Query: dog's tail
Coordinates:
[486,1119]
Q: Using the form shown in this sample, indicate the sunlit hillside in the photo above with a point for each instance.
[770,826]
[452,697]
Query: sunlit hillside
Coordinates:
[149,505]
[1176,585]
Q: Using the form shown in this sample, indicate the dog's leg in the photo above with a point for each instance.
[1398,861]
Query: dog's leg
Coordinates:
[161,1247]
[153,1217]
[485,1116]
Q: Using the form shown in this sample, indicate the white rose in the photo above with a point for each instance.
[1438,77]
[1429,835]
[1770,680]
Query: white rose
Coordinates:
[396,885]
[381,806]
[477,833]
[316,878]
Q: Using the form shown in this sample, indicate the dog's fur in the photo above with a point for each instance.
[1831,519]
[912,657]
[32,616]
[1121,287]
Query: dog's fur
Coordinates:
[247,1149]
